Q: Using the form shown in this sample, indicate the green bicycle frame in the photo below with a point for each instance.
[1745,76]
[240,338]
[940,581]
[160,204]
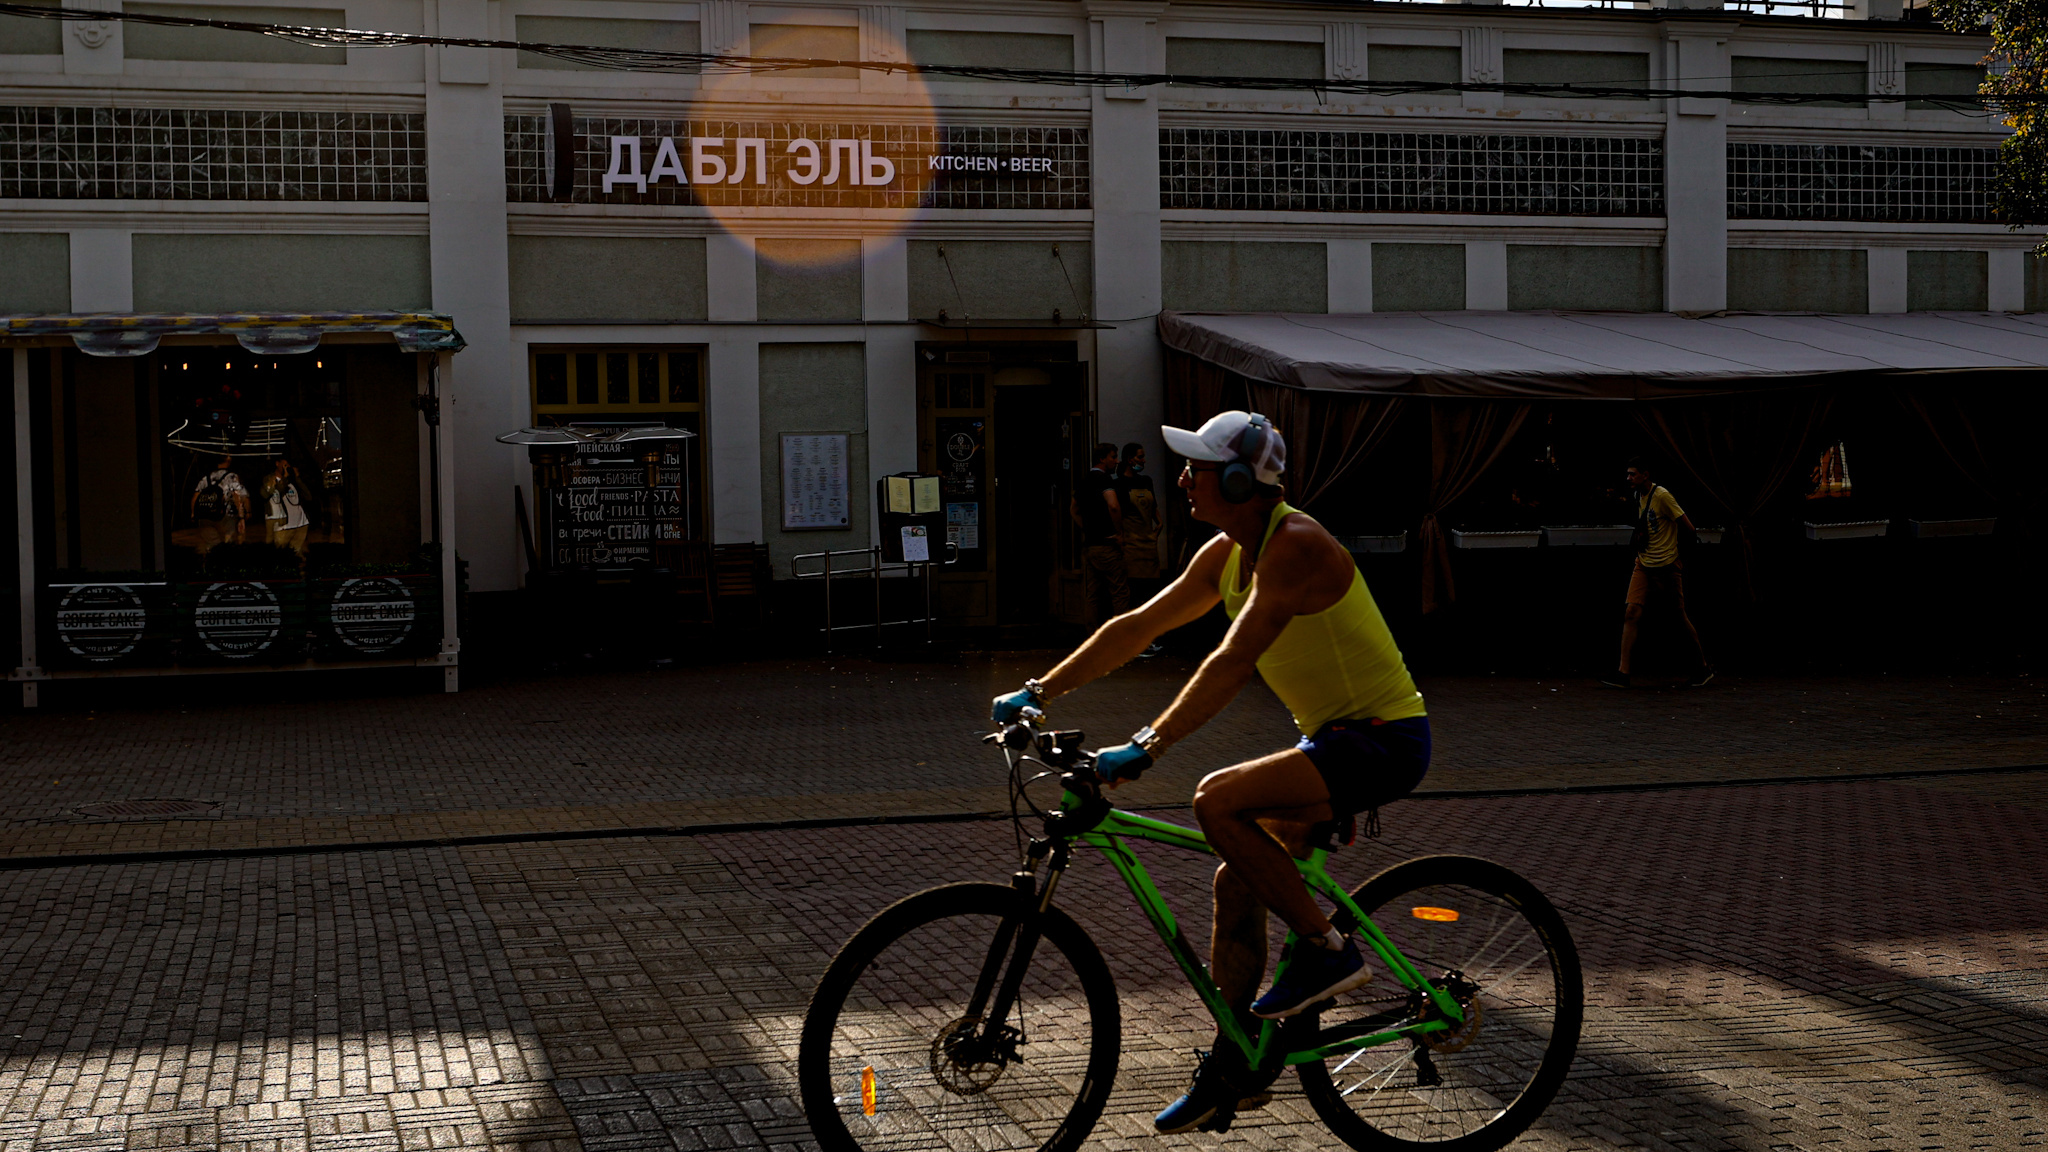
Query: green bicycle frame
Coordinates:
[1109,836]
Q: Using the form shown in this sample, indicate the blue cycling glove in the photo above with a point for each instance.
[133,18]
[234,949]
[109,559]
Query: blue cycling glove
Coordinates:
[1121,763]
[1006,709]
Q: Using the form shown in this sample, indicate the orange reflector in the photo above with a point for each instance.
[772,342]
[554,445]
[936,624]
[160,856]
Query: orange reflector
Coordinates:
[1444,914]
[867,1090]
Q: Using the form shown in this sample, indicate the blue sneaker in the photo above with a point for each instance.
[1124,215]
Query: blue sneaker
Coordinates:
[1223,1087]
[1311,973]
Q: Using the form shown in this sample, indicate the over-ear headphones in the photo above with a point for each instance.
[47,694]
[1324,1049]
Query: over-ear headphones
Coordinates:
[1240,481]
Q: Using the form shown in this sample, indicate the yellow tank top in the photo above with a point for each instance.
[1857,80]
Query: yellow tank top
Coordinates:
[1337,664]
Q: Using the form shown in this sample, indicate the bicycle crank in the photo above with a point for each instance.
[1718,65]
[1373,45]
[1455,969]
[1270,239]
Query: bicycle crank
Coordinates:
[966,1062]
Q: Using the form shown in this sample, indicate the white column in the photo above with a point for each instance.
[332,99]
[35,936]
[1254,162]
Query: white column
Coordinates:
[1887,279]
[1481,54]
[1887,75]
[891,357]
[733,394]
[103,270]
[881,39]
[1129,403]
[2007,290]
[25,529]
[1344,51]
[471,282]
[733,421]
[729,279]
[726,27]
[445,438]
[467,20]
[1350,273]
[1696,174]
[93,47]
[1486,275]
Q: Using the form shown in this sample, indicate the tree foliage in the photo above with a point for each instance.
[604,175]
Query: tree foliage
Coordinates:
[2019,36]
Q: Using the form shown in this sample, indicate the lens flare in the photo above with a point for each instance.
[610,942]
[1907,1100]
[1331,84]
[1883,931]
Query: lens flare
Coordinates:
[748,161]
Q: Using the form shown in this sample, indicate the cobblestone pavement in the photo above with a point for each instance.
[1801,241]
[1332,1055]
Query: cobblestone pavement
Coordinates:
[1856,964]
[776,741]
[1852,963]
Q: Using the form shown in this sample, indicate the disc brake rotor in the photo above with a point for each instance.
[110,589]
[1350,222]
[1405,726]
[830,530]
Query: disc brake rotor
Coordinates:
[1464,1032]
[968,1064]
[1455,1039]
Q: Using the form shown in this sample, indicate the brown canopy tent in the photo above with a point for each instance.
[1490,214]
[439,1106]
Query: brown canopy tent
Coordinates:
[1736,401]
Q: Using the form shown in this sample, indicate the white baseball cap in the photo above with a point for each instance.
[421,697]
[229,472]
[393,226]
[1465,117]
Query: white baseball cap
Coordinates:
[1223,440]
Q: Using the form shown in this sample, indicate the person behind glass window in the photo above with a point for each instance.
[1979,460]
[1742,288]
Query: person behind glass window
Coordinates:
[285,514]
[220,506]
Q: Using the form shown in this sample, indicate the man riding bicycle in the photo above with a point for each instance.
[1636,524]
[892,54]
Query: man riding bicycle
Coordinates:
[1302,618]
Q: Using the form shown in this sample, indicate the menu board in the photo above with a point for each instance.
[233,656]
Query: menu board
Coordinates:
[815,491]
[612,507]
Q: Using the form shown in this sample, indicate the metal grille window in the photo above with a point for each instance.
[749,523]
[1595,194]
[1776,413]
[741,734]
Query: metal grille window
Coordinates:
[1859,182]
[1410,172]
[1058,159]
[201,154]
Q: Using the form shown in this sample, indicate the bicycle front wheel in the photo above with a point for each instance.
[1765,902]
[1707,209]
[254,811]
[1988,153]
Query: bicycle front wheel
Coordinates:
[896,1057]
[1491,939]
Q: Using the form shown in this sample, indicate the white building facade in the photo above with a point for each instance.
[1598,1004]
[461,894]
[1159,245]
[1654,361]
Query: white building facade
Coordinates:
[961,277]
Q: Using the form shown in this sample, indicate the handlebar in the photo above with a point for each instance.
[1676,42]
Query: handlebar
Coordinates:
[1057,749]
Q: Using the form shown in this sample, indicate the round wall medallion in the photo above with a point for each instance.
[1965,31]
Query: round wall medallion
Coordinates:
[100,622]
[372,614]
[237,620]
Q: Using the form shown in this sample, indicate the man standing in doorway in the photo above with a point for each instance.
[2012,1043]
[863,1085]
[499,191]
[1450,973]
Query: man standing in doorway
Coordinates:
[1100,515]
[1140,528]
[1658,577]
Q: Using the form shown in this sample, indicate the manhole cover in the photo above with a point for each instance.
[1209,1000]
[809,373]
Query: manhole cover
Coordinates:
[148,809]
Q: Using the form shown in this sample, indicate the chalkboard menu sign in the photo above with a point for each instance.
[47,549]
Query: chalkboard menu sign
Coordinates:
[616,503]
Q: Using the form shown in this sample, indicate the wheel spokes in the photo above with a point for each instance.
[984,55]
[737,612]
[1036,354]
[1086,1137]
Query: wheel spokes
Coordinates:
[1496,962]
[910,1070]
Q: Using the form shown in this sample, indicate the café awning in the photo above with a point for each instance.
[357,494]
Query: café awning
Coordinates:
[264,333]
[1598,355]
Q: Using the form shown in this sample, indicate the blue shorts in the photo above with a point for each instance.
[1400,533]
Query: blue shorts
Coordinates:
[1367,763]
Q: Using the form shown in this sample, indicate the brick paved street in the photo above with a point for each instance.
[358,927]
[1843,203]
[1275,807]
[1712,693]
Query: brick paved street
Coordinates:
[783,740]
[1853,963]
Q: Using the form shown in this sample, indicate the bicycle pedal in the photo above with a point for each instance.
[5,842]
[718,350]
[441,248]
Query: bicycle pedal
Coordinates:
[1319,1007]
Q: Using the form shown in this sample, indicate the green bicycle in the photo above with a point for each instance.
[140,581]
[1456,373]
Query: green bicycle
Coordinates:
[981,1016]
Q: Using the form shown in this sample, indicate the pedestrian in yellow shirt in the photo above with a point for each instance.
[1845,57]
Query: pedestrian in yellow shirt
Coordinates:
[1658,577]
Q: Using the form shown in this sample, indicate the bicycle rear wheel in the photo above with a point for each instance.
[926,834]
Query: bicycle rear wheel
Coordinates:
[1490,937]
[894,1059]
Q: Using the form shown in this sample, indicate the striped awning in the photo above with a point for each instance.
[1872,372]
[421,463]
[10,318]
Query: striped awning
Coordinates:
[266,333]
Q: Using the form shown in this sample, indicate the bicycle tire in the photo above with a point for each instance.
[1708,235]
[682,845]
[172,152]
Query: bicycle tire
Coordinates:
[907,976]
[1514,1055]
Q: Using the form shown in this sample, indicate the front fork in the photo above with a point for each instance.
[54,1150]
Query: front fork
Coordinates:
[1025,933]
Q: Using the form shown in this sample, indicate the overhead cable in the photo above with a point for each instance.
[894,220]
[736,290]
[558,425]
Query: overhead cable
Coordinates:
[657,60]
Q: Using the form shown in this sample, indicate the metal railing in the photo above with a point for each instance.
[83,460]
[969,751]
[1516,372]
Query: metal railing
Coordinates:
[874,569]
